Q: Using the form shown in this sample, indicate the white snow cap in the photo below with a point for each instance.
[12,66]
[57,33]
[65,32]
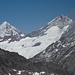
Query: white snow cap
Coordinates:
[5,23]
[7,31]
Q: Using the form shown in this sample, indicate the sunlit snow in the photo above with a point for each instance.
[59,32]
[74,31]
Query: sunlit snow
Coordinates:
[26,48]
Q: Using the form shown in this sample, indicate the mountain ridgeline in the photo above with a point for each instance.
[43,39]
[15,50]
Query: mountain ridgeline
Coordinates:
[47,51]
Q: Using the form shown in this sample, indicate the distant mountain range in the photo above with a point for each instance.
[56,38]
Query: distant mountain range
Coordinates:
[47,51]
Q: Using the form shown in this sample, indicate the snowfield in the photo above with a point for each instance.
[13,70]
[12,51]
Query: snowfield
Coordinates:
[30,46]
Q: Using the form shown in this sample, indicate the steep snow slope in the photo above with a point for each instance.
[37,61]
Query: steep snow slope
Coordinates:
[61,52]
[30,46]
[8,31]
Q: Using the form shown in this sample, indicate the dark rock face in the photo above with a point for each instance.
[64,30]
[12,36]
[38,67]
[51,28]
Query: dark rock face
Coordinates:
[11,60]
[61,52]
[13,64]
[47,67]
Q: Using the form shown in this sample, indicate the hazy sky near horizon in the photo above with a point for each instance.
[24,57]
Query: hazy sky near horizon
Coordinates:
[30,15]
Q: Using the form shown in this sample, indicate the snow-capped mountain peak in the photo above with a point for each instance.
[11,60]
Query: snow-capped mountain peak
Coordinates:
[7,31]
[5,23]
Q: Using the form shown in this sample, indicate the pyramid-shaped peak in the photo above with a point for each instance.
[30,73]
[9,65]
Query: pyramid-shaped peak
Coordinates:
[8,31]
[5,23]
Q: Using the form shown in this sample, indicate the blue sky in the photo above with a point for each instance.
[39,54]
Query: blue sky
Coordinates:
[30,15]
